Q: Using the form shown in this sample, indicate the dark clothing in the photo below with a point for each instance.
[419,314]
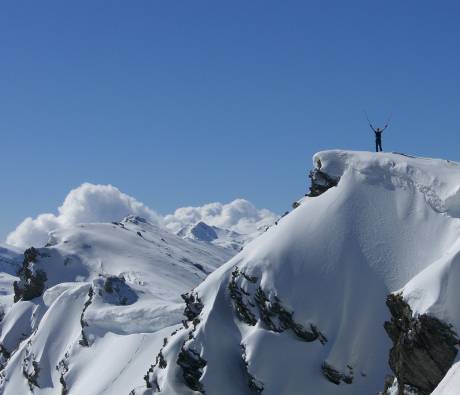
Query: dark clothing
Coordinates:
[378,137]
[378,141]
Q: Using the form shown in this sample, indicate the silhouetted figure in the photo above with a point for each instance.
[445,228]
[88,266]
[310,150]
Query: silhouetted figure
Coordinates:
[378,137]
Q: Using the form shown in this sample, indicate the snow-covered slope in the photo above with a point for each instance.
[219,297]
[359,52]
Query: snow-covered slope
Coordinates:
[111,293]
[10,259]
[301,309]
[359,281]
[218,236]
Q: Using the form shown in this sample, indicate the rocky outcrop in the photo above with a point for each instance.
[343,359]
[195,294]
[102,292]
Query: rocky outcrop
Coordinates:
[63,368]
[424,348]
[192,367]
[160,362]
[320,182]
[256,386]
[252,306]
[114,290]
[193,305]
[32,280]
[335,376]
[30,369]
[240,305]
[84,341]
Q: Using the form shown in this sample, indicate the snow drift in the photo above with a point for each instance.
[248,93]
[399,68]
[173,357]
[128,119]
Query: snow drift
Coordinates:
[358,282]
[301,309]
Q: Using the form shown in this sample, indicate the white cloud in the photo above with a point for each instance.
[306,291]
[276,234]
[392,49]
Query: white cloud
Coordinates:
[239,215]
[105,203]
[87,203]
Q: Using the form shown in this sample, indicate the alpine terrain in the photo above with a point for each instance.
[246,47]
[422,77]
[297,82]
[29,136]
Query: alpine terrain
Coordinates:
[355,291]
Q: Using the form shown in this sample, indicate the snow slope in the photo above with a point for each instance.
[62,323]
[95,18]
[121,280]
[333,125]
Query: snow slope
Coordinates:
[218,236]
[306,299]
[112,294]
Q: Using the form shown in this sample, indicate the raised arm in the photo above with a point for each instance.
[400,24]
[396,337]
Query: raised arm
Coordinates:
[385,127]
[372,127]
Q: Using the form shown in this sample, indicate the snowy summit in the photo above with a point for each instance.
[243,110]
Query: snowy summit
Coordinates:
[353,292]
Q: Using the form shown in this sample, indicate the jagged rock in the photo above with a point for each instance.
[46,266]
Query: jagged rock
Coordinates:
[193,305]
[32,280]
[278,319]
[31,369]
[204,232]
[335,376]
[84,339]
[4,356]
[114,290]
[272,314]
[256,386]
[192,368]
[243,312]
[63,368]
[424,348]
[320,182]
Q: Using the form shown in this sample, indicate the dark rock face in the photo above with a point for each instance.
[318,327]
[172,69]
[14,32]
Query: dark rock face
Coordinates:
[32,280]
[84,339]
[250,308]
[161,363]
[320,182]
[31,369]
[278,319]
[114,290]
[203,232]
[424,348]
[193,305]
[241,308]
[255,386]
[336,377]
[192,368]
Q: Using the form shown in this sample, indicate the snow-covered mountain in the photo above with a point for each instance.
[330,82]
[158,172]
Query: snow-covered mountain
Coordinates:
[94,305]
[301,310]
[221,237]
[353,292]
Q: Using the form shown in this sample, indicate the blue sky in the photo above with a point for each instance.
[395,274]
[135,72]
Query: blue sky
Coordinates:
[183,103]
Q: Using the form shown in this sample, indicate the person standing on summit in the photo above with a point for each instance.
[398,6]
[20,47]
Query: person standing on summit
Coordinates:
[378,137]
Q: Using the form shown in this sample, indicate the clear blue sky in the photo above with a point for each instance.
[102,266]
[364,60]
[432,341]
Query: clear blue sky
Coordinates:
[185,102]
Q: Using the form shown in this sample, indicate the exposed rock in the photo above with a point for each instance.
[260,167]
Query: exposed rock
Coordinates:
[335,376]
[4,356]
[63,368]
[30,369]
[320,182]
[277,318]
[84,339]
[256,386]
[114,290]
[32,280]
[424,348]
[204,232]
[192,368]
[243,312]
[272,314]
[161,363]
[193,305]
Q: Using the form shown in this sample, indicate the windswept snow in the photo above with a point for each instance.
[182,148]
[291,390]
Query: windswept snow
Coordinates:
[300,310]
[331,262]
[112,295]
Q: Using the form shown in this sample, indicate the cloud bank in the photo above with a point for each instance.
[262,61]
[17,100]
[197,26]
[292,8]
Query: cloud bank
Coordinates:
[87,203]
[239,215]
[105,203]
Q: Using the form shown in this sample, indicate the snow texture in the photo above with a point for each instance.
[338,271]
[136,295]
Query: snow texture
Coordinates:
[300,310]
[390,225]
